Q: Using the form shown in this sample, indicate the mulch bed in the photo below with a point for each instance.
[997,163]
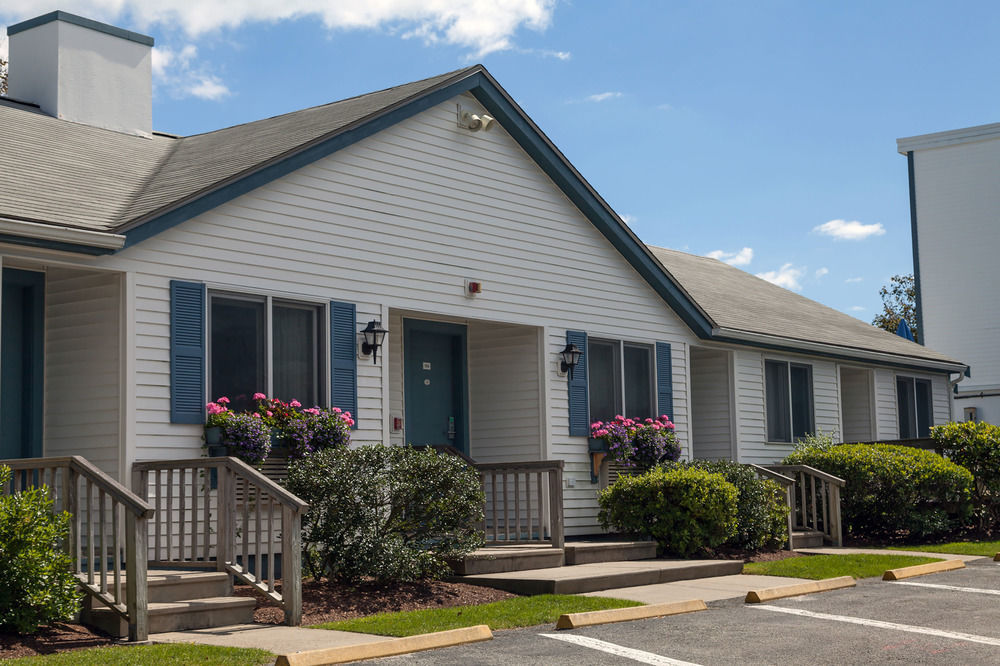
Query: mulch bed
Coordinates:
[57,638]
[329,601]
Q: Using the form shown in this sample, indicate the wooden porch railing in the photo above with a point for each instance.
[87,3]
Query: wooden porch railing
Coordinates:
[788,488]
[107,530]
[524,502]
[222,513]
[814,500]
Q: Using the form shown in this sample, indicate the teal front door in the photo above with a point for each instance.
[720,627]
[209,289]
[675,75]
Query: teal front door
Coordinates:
[435,385]
[21,340]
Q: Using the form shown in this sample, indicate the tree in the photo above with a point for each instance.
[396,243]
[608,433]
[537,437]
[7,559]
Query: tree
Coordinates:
[899,301]
[3,76]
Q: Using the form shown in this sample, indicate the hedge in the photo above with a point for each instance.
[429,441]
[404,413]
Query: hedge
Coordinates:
[976,446]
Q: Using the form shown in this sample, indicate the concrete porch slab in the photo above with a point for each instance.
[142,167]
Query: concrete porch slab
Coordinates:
[708,589]
[278,639]
[603,575]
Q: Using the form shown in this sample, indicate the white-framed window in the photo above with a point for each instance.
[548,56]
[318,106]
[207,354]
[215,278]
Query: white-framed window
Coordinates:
[914,407]
[620,379]
[789,400]
[265,344]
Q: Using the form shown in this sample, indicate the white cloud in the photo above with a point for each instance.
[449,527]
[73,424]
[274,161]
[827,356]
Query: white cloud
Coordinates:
[628,219]
[853,230]
[604,96]
[558,55]
[741,258]
[665,107]
[182,76]
[3,42]
[853,280]
[482,27]
[820,272]
[787,276]
[857,308]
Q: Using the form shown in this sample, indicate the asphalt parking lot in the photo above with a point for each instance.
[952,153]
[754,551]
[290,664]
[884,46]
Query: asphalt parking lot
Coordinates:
[949,618]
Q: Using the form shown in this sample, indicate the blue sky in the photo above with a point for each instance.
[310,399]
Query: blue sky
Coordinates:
[711,127]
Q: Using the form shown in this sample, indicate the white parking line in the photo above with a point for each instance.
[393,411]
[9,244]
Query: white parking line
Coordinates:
[620,650]
[977,590]
[972,638]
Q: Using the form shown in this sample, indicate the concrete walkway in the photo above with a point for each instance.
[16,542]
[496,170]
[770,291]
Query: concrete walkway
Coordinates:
[706,589]
[278,639]
[884,551]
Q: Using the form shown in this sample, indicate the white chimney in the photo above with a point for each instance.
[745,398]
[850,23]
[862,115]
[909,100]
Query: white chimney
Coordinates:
[83,71]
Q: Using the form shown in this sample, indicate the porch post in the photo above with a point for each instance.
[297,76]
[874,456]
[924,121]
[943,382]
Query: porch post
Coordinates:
[556,505]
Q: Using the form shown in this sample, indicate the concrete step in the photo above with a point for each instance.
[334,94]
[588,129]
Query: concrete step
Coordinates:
[807,539]
[509,558]
[588,552]
[603,575]
[178,615]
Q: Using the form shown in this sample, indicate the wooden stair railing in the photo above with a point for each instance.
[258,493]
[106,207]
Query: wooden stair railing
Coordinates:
[222,514]
[107,526]
[815,500]
[523,512]
[788,488]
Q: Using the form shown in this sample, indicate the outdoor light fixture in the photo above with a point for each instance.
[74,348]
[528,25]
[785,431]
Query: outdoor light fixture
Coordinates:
[473,121]
[570,357]
[374,335]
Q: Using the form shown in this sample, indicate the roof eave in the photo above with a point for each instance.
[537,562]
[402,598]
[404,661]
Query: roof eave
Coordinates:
[55,237]
[779,343]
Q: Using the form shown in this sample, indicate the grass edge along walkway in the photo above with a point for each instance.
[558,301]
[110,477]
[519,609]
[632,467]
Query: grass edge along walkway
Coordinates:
[983,548]
[161,654]
[505,614]
[818,567]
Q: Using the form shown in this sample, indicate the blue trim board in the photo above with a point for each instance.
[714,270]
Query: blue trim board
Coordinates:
[916,250]
[83,23]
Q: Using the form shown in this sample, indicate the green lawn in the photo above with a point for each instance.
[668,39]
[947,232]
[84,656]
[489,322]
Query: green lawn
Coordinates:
[817,567]
[986,548]
[506,614]
[163,654]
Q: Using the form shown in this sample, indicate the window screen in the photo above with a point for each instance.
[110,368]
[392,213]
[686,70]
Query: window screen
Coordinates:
[778,407]
[238,350]
[604,379]
[638,381]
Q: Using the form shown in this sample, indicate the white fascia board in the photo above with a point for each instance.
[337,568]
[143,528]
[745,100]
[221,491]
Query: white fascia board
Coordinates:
[949,138]
[834,350]
[49,232]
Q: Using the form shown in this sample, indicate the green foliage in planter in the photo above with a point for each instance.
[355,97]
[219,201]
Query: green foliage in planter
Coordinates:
[386,512]
[891,490]
[976,447]
[682,509]
[38,587]
[761,510]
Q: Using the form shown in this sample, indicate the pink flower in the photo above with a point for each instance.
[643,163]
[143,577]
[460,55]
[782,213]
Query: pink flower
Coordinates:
[215,408]
[295,403]
[223,400]
[270,413]
[347,414]
[336,410]
[649,420]
[259,396]
[311,410]
[256,415]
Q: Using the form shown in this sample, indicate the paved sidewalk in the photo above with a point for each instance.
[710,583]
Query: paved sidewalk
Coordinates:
[706,589]
[278,639]
[884,551]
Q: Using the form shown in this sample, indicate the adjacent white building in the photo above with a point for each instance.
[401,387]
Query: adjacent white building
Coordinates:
[955,215]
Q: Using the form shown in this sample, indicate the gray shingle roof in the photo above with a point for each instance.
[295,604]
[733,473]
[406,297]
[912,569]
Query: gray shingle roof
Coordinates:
[738,301]
[74,175]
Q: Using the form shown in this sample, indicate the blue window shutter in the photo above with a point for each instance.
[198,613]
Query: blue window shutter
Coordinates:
[343,358]
[187,352]
[664,380]
[579,396]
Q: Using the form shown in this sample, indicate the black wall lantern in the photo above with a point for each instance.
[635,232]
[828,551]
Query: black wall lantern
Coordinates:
[374,335]
[570,357]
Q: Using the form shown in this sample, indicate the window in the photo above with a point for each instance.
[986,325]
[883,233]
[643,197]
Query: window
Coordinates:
[266,345]
[789,400]
[913,401]
[620,379]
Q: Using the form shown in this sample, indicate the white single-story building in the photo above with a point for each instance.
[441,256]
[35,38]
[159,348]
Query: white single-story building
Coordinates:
[145,274]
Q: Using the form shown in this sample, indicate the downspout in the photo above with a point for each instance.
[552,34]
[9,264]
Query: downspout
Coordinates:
[916,253]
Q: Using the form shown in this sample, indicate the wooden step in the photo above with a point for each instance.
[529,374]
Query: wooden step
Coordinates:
[508,558]
[807,539]
[178,615]
[588,552]
[171,585]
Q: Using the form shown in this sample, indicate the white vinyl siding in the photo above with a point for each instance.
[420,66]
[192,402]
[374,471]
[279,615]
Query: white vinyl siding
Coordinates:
[885,404]
[857,404]
[82,404]
[711,423]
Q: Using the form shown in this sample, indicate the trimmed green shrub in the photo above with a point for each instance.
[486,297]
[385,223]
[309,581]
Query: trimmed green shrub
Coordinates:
[391,513]
[38,586]
[894,490]
[976,447]
[761,510]
[682,509]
